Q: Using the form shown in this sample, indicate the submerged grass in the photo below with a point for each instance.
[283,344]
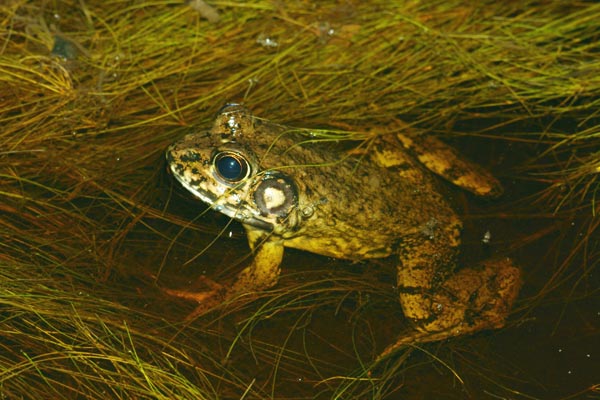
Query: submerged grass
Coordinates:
[61,339]
[92,92]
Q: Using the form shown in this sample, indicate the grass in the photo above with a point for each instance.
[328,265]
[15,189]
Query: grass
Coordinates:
[91,94]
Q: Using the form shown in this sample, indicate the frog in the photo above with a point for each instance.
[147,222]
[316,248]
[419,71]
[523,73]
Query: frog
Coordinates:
[290,189]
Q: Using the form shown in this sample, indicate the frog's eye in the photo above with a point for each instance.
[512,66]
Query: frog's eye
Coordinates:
[230,166]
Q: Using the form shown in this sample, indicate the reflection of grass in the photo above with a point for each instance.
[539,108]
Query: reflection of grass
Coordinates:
[83,202]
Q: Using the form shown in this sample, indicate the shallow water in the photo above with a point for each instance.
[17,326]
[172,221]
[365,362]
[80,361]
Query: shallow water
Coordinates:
[316,333]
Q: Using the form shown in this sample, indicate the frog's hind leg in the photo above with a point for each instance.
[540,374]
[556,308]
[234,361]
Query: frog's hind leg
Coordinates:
[443,304]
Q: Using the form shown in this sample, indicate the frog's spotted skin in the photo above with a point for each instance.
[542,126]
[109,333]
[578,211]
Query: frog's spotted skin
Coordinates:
[290,191]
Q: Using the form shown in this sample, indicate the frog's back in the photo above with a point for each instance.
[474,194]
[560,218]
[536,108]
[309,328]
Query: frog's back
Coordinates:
[357,208]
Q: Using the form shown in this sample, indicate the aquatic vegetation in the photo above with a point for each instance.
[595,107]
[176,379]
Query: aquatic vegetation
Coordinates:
[91,94]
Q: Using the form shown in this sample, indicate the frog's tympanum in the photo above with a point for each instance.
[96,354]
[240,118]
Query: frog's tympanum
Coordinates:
[290,190]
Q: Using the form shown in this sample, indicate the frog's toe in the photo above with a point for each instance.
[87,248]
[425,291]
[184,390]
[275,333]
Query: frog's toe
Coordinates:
[411,339]
[206,299]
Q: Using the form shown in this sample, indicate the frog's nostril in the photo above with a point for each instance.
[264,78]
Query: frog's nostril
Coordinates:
[191,156]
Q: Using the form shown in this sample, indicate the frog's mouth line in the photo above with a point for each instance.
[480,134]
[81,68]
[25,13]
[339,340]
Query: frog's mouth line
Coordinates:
[232,212]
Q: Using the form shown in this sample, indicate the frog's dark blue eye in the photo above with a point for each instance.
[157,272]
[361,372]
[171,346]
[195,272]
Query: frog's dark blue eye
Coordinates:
[230,166]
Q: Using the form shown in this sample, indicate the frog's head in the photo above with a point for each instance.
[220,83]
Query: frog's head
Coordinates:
[221,169]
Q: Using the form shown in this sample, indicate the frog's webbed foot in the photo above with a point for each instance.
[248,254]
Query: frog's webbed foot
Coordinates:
[261,274]
[473,299]
[206,299]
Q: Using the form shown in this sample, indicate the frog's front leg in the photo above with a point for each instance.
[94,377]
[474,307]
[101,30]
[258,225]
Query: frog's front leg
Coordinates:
[444,304]
[261,274]
[264,271]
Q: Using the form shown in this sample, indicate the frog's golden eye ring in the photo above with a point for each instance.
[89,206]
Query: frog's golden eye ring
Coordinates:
[276,194]
[231,167]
